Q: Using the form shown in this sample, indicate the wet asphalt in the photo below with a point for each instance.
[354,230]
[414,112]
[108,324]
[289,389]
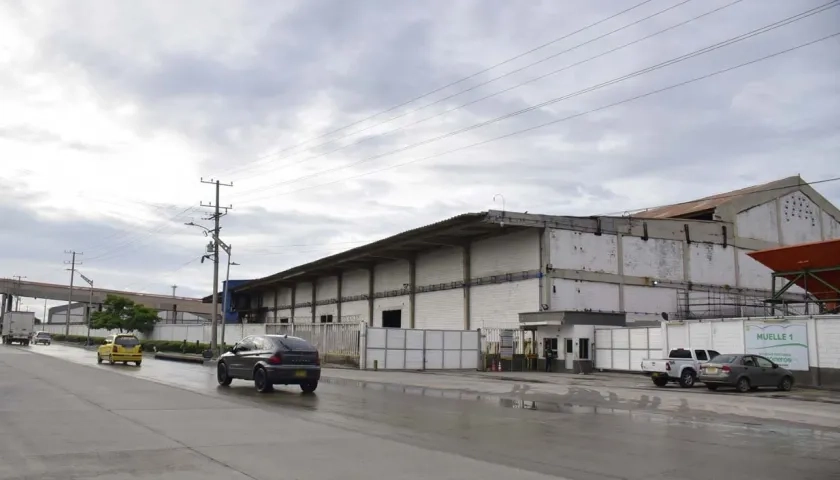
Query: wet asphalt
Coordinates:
[356,429]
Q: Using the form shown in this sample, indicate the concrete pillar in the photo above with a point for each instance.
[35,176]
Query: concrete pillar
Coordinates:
[619,251]
[412,290]
[294,294]
[276,297]
[546,282]
[467,275]
[338,297]
[371,321]
[314,298]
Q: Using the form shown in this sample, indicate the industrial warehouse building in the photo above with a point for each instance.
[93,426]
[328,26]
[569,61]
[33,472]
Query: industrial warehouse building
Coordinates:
[558,275]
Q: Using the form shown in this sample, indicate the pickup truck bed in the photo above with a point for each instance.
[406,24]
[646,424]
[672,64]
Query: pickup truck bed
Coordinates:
[681,366]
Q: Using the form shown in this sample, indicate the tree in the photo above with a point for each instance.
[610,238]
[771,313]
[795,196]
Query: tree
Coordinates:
[124,315]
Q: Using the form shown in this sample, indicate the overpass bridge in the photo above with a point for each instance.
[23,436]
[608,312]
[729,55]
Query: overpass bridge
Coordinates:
[50,291]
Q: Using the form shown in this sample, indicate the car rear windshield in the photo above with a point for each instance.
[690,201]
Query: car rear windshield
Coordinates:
[725,359]
[680,353]
[42,334]
[127,341]
[293,344]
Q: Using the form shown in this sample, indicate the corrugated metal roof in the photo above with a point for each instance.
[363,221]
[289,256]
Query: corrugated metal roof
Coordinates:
[693,207]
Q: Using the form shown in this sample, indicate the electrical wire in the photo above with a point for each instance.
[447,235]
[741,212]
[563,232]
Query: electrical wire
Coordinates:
[673,61]
[109,254]
[556,121]
[436,90]
[486,82]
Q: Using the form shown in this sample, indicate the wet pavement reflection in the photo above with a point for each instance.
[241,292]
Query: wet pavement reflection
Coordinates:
[574,435]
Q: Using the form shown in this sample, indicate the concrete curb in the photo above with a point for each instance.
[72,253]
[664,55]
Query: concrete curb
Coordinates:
[180,357]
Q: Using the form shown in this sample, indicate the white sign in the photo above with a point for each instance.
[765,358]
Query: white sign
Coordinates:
[785,344]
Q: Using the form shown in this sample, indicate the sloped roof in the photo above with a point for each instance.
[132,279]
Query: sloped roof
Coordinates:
[710,203]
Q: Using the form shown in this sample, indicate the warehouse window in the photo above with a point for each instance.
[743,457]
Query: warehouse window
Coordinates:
[326,318]
[392,318]
[284,320]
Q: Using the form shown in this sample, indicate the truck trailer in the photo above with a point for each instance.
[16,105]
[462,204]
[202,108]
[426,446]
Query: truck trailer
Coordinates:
[18,327]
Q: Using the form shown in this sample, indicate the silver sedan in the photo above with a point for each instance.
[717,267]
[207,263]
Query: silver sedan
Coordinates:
[745,372]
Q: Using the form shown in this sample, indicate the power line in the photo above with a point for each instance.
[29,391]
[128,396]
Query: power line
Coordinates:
[143,239]
[570,117]
[464,79]
[629,212]
[487,82]
[181,267]
[667,63]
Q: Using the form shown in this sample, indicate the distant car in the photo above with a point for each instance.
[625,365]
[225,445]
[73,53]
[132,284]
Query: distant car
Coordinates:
[42,338]
[271,360]
[745,373]
[120,348]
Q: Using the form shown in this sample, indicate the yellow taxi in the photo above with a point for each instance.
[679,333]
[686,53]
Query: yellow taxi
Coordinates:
[120,348]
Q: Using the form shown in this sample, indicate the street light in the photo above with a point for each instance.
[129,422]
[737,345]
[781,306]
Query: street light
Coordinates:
[90,304]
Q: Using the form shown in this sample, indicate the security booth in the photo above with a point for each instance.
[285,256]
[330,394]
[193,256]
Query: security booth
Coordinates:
[569,335]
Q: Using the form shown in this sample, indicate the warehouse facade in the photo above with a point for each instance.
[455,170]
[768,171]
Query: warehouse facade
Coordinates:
[482,270]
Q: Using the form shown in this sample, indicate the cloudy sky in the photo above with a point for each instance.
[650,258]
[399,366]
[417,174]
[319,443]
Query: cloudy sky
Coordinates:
[316,110]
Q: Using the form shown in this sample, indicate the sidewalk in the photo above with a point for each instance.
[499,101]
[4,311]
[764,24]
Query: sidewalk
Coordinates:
[619,393]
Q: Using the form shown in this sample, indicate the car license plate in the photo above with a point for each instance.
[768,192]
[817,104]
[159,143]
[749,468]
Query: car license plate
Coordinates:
[300,373]
[712,370]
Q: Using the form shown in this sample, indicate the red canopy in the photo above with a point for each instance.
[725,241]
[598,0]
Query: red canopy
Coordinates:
[820,259]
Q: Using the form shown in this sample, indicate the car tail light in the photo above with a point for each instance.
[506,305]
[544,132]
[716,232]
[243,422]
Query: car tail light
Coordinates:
[726,368]
[668,366]
[276,359]
[317,359]
[114,349]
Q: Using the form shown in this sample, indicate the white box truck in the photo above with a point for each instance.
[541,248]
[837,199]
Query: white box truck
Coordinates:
[18,327]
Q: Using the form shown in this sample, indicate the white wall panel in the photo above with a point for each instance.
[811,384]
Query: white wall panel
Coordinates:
[303,292]
[390,303]
[583,251]
[654,258]
[390,276]
[728,337]
[760,222]
[440,310]
[581,295]
[330,309]
[510,253]
[800,219]
[285,313]
[712,264]
[284,296]
[303,315]
[831,227]
[354,312]
[828,338]
[650,300]
[752,274]
[621,339]
[441,265]
[677,337]
[700,335]
[327,288]
[354,282]
[499,305]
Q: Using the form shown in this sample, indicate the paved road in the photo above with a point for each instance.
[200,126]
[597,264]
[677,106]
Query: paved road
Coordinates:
[64,417]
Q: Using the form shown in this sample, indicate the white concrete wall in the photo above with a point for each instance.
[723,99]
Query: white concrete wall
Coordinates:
[442,310]
[799,219]
[711,264]
[390,276]
[303,293]
[830,227]
[355,282]
[648,303]
[759,223]
[354,312]
[654,258]
[390,303]
[499,305]
[441,265]
[583,251]
[511,253]
[326,288]
[580,295]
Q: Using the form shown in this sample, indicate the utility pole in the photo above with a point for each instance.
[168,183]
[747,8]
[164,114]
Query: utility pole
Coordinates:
[217,215]
[174,308]
[44,319]
[225,301]
[17,293]
[90,305]
[72,269]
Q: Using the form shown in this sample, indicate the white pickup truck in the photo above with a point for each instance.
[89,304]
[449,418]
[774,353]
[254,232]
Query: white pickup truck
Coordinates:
[681,366]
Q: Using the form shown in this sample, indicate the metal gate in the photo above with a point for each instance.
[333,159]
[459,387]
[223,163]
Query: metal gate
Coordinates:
[398,349]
